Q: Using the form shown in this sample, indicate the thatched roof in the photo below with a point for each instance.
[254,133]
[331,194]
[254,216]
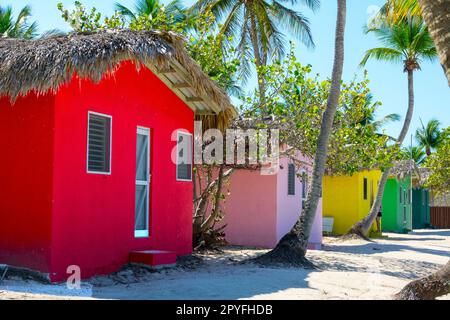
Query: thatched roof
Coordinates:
[408,168]
[45,64]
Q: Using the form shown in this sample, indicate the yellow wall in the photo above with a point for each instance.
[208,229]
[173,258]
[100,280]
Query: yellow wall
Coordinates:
[343,198]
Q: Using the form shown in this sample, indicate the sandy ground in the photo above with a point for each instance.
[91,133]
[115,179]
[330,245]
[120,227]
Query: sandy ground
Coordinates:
[347,270]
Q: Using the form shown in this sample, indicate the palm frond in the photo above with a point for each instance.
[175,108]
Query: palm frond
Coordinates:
[314,5]
[233,23]
[147,7]
[6,20]
[393,117]
[415,153]
[429,136]
[29,32]
[220,8]
[295,22]
[52,33]
[245,55]
[126,12]
[382,54]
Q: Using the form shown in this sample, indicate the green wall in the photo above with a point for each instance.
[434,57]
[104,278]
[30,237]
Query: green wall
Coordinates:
[397,206]
[421,208]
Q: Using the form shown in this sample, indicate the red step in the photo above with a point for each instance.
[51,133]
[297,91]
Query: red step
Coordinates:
[153,257]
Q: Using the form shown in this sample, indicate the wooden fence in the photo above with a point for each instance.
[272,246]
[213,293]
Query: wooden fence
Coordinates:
[440,217]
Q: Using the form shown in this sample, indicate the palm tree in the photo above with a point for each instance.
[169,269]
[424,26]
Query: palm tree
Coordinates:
[257,25]
[369,118]
[292,248]
[18,28]
[396,10]
[406,41]
[429,137]
[427,288]
[414,153]
[435,14]
[152,8]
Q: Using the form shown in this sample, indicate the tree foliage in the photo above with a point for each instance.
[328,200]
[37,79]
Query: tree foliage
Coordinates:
[429,136]
[297,100]
[257,27]
[438,164]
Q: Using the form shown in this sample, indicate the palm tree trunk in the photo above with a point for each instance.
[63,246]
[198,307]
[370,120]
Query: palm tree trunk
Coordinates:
[428,288]
[436,14]
[258,60]
[293,246]
[361,228]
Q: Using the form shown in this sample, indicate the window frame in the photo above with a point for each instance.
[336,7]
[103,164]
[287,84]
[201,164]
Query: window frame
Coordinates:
[290,165]
[304,184]
[107,173]
[140,234]
[401,195]
[365,188]
[179,132]
[304,195]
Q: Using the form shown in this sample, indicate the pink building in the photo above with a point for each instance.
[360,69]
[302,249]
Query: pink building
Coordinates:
[263,208]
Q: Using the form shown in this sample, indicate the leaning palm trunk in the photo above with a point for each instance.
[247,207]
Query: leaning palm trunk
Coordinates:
[293,246]
[436,14]
[428,288]
[361,228]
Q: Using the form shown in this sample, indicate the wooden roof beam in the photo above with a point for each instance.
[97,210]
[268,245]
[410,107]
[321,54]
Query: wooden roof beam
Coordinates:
[194,99]
[167,70]
[181,85]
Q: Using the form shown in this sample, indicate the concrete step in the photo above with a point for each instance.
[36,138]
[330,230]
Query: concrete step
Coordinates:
[153,258]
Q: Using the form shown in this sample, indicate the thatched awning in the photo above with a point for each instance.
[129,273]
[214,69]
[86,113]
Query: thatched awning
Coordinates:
[45,64]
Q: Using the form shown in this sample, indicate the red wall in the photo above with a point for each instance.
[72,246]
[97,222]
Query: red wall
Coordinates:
[26,144]
[93,219]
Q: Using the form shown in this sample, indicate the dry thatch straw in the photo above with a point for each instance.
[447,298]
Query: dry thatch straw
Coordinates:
[44,65]
[406,168]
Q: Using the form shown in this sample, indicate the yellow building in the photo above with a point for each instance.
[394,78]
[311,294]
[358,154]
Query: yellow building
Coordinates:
[348,199]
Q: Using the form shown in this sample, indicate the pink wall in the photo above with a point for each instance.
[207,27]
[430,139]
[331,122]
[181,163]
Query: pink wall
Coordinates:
[259,211]
[88,219]
[290,206]
[250,209]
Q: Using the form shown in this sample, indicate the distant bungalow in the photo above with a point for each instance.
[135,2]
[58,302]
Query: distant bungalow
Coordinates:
[348,199]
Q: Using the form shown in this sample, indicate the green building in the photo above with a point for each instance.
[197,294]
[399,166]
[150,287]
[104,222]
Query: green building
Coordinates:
[421,208]
[397,205]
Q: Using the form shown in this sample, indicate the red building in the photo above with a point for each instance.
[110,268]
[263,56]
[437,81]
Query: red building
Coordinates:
[88,126]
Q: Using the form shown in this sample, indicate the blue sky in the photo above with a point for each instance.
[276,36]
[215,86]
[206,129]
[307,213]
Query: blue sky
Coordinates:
[388,82]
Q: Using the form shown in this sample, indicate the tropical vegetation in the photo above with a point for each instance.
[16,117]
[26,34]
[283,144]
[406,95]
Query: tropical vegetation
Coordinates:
[331,121]
[17,27]
[255,27]
[435,14]
[430,136]
[407,42]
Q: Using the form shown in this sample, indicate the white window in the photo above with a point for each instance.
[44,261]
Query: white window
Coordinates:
[143,177]
[291,179]
[184,156]
[99,143]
